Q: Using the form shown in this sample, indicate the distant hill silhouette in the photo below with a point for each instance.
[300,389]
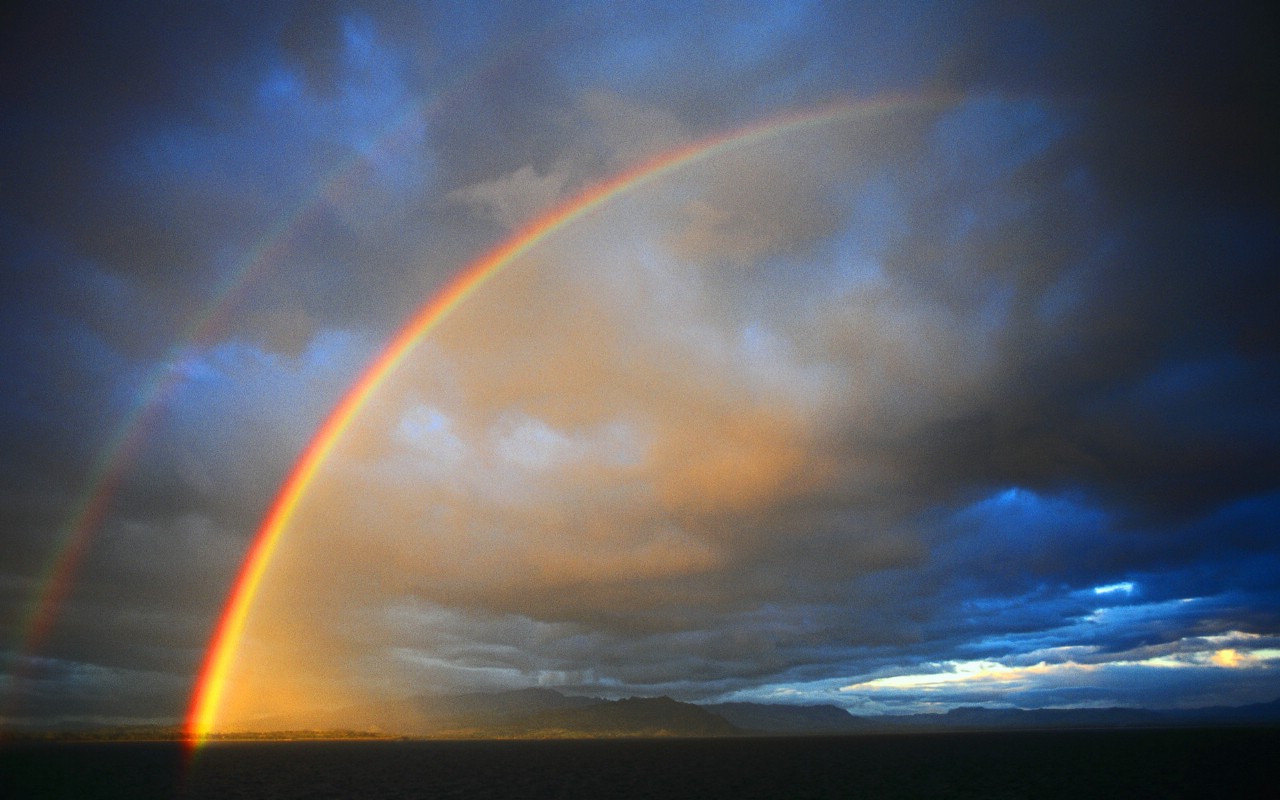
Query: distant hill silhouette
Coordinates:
[546,712]
[981,718]
[788,719]
[542,713]
[634,716]
[537,713]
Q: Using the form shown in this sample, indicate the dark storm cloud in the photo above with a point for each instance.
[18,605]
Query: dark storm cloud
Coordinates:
[81,80]
[163,147]
[1109,309]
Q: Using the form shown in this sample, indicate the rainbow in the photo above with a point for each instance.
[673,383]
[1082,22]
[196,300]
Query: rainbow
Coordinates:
[211,683]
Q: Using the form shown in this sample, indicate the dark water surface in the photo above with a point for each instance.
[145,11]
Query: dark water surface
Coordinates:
[1059,764]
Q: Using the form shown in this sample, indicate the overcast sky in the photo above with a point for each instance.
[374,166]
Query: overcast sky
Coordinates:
[966,396]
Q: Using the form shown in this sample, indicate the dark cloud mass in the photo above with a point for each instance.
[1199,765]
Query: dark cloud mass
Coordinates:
[966,397]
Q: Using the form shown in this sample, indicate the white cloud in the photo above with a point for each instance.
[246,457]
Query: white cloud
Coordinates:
[517,198]
[1125,587]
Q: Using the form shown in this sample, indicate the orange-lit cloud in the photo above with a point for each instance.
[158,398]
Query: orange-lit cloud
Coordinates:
[579,443]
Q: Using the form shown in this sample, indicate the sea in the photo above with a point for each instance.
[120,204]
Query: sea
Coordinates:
[1238,763]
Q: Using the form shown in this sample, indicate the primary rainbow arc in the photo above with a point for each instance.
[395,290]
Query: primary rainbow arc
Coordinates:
[212,681]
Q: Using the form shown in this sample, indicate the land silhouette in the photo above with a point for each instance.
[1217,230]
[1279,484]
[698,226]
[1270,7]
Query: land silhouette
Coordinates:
[549,714]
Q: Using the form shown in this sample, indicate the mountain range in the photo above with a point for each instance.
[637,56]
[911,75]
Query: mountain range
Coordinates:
[546,713]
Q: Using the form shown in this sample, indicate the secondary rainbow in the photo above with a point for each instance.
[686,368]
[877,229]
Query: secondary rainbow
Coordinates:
[212,681]
[116,456]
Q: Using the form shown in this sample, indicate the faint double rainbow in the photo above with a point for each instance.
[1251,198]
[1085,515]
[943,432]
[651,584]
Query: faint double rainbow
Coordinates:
[118,453]
[211,684]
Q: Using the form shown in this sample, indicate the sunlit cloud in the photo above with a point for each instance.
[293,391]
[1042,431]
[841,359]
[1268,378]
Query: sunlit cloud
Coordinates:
[951,683]
[971,674]
[1125,587]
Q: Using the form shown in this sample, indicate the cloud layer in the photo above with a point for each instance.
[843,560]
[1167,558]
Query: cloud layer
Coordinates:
[871,412]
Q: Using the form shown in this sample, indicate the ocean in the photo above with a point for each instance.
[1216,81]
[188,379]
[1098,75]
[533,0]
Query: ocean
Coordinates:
[1218,763]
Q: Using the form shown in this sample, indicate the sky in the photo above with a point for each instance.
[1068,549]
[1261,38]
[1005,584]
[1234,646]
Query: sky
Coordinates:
[949,376]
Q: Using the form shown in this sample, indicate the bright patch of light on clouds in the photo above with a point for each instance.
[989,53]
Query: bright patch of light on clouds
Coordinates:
[1230,658]
[430,431]
[996,675]
[967,672]
[1126,587]
[531,443]
[1116,615]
